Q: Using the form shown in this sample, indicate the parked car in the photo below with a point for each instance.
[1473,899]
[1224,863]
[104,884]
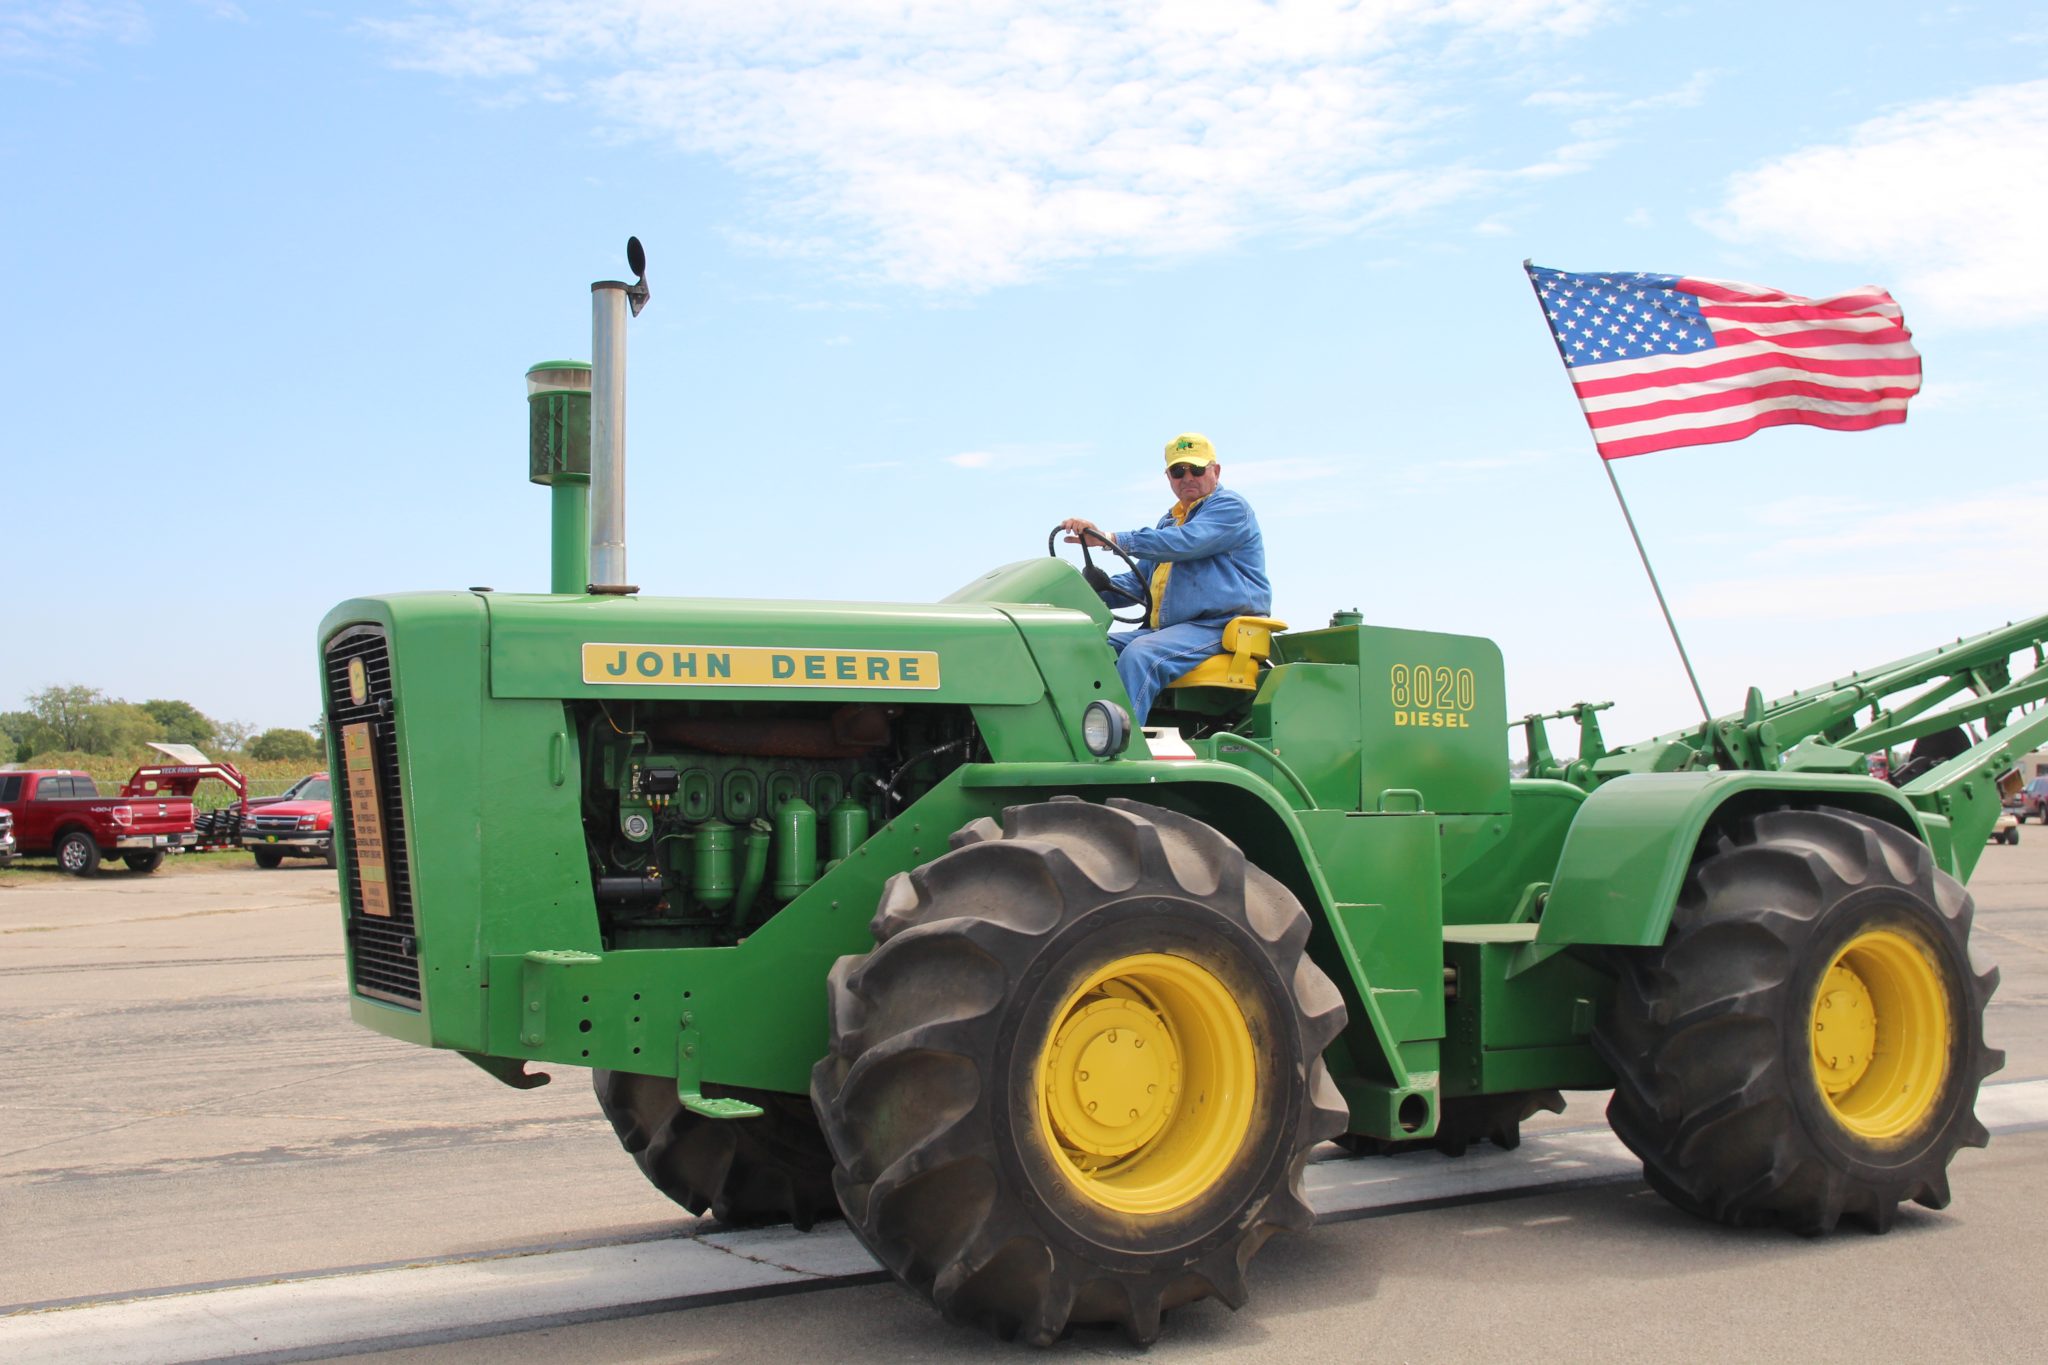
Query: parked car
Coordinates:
[2007,828]
[8,852]
[60,811]
[2034,800]
[299,824]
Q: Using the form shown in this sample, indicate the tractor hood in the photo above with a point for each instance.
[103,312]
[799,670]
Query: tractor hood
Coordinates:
[681,647]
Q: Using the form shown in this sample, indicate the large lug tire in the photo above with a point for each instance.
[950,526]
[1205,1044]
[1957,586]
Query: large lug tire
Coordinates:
[1078,1078]
[269,859]
[144,862]
[1809,1040]
[78,854]
[1465,1121]
[771,1169]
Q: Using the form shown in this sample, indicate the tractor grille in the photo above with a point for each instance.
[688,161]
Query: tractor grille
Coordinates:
[383,950]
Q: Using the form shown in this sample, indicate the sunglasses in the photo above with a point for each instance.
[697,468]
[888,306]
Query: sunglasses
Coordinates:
[1185,471]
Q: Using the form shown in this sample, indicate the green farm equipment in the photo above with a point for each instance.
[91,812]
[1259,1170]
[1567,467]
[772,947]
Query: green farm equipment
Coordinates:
[889,910]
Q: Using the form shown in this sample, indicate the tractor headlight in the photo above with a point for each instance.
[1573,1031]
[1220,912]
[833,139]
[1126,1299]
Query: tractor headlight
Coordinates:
[1105,728]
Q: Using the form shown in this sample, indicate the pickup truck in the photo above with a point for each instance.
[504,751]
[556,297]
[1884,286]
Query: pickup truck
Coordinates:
[299,824]
[61,811]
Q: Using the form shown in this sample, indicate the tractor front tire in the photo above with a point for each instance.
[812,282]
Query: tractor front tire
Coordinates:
[1078,1078]
[1809,1039]
[78,854]
[770,1169]
[144,863]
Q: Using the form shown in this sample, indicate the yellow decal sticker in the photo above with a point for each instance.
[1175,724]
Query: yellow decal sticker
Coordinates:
[1433,697]
[358,682]
[759,666]
[365,819]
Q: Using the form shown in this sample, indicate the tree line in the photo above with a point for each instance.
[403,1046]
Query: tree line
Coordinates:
[86,720]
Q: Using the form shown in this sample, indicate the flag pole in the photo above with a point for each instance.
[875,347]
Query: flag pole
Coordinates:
[1642,554]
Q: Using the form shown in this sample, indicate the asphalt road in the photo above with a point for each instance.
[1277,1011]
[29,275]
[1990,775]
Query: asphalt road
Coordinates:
[186,1102]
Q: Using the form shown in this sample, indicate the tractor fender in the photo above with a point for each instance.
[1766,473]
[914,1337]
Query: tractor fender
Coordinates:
[1627,851]
[1247,810]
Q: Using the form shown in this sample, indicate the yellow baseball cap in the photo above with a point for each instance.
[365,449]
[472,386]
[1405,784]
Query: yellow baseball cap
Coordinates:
[1190,447]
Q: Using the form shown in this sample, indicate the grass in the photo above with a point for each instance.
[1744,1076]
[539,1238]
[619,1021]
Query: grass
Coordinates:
[41,870]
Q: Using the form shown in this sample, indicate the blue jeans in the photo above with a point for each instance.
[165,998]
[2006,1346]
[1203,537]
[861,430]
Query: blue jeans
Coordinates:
[1147,660]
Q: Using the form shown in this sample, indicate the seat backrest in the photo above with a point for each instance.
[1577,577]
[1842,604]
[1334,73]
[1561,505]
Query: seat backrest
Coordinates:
[1248,639]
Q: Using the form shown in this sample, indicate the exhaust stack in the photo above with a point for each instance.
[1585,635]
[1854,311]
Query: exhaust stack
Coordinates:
[609,302]
[558,456]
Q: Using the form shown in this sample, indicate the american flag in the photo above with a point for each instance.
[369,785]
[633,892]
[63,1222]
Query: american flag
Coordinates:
[1664,360]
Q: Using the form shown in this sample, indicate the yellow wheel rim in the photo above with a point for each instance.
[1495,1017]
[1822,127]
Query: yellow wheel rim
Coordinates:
[1146,1084]
[1881,1034]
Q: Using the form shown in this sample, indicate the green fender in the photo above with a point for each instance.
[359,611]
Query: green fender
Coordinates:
[1254,815]
[1626,854]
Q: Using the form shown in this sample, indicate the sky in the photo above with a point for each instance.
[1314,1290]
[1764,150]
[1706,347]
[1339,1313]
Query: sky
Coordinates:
[928,278]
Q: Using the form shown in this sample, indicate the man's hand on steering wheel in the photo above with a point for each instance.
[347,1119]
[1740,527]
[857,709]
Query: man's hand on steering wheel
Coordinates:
[1086,533]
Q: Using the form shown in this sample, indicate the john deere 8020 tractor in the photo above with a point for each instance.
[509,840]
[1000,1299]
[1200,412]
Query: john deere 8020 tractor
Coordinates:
[890,911]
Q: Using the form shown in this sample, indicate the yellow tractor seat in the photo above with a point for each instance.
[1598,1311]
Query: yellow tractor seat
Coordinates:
[1247,640]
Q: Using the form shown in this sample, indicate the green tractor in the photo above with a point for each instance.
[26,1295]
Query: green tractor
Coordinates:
[890,911]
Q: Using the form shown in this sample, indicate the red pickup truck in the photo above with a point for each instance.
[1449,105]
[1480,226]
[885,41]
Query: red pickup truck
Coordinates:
[61,811]
[298,824]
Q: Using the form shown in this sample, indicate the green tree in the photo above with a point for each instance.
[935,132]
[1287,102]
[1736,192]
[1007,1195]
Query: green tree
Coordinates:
[115,727]
[232,736]
[182,722]
[64,715]
[284,743]
[15,729]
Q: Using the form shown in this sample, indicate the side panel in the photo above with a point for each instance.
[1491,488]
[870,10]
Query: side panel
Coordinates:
[1619,873]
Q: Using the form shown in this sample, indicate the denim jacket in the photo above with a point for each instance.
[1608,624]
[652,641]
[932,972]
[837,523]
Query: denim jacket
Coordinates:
[1215,561]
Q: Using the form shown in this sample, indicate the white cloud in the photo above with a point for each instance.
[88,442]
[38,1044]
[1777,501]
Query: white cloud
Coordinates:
[1284,469]
[1947,197]
[976,143]
[1945,531]
[1016,456]
[1841,596]
[1843,558]
[42,31]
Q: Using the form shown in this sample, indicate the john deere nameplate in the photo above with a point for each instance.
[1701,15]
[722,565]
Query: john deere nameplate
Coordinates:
[754,666]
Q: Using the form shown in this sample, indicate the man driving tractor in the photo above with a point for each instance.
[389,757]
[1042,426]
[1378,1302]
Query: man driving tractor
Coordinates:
[1203,562]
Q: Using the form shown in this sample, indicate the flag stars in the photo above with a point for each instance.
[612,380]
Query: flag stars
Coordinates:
[1619,316]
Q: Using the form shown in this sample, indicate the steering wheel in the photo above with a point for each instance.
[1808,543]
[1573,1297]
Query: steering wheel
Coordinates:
[1098,580]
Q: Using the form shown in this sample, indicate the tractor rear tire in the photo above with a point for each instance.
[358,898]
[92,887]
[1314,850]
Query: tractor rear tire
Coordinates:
[144,863]
[1008,1145]
[1465,1121]
[771,1169]
[78,854]
[1809,1039]
[269,859]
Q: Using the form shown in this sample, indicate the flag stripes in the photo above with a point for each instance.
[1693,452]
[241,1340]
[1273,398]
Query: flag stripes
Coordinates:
[1660,361]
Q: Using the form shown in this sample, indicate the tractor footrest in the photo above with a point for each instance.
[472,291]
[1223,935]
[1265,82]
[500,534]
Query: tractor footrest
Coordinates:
[717,1107]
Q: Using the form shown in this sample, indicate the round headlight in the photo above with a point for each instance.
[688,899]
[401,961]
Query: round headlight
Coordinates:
[1105,728]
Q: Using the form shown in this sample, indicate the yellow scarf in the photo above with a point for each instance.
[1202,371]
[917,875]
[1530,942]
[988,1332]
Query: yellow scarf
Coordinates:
[1181,512]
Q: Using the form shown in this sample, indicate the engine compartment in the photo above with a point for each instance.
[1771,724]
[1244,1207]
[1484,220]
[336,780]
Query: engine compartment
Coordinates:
[702,819]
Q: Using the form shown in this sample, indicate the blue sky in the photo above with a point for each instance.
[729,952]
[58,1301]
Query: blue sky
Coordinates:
[928,278]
